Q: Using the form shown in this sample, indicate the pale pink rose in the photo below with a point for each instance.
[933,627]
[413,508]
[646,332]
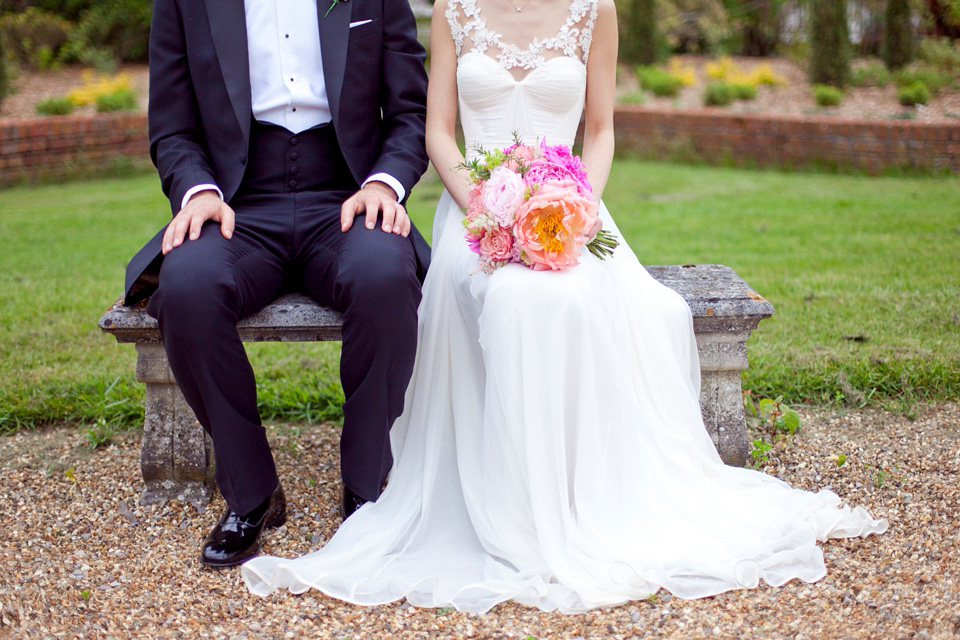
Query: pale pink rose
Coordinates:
[552,227]
[503,193]
[497,245]
[474,202]
[520,155]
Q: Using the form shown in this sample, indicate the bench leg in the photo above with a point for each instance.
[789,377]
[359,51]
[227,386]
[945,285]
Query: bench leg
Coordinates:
[723,357]
[176,455]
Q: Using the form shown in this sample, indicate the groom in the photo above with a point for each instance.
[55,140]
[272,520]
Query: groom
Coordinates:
[287,136]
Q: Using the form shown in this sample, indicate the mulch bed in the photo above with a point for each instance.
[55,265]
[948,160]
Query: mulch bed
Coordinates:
[80,557]
[795,98]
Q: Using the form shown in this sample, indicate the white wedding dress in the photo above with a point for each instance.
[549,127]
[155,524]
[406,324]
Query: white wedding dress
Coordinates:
[551,449]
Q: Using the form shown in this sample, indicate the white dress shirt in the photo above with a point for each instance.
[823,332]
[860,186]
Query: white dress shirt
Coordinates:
[286,72]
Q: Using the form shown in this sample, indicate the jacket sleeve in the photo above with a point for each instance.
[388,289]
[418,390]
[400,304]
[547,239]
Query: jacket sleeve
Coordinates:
[177,143]
[403,97]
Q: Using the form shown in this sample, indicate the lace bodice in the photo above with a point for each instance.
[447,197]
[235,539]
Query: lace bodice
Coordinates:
[545,103]
[572,40]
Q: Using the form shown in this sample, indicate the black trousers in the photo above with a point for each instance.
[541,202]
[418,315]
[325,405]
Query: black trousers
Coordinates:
[288,237]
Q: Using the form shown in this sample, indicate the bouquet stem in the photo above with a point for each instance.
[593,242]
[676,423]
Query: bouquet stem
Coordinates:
[603,244]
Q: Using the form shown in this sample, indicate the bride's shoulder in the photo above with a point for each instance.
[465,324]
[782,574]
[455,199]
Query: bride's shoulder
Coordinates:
[604,10]
[605,7]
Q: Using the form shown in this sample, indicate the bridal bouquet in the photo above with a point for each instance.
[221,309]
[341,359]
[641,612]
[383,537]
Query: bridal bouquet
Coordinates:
[532,205]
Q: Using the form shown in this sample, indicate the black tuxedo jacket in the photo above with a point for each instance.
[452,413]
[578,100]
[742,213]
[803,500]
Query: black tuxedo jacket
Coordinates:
[200,102]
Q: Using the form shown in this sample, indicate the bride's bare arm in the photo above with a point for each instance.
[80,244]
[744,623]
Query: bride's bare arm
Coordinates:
[598,140]
[442,107]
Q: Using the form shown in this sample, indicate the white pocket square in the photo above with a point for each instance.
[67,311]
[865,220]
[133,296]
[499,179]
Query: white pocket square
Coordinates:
[360,23]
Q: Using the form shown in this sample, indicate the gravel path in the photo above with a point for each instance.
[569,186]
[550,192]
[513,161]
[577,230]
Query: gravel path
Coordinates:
[79,557]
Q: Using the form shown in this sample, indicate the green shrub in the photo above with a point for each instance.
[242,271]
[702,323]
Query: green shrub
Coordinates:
[67,9]
[940,53]
[760,25]
[913,94]
[744,91]
[55,107]
[120,100]
[119,27]
[719,94]
[827,96]
[932,77]
[829,43]
[897,35]
[35,37]
[634,97]
[871,74]
[693,26]
[659,82]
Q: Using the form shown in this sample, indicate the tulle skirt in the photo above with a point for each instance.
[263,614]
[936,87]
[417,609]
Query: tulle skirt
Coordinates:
[551,452]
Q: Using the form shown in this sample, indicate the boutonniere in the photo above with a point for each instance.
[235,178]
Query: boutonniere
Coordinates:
[332,5]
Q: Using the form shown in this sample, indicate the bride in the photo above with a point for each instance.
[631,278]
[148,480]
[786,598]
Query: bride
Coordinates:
[551,449]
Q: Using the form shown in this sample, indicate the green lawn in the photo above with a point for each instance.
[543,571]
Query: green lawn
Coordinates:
[864,274]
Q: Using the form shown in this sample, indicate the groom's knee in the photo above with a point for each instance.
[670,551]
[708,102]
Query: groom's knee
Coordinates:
[191,295]
[381,280]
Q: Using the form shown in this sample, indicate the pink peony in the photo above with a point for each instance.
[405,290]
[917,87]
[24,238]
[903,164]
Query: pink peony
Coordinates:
[543,172]
[497,245]
[502,194]
[552,226]
[563,156]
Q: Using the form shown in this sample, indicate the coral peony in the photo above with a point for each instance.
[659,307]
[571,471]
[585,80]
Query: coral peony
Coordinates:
[552,226]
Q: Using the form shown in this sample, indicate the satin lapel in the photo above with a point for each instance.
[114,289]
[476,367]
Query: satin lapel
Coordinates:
[228,25]
[334,34]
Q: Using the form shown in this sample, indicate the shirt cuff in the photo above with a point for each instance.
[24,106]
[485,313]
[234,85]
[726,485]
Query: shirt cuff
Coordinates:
[197,189]
[390,181]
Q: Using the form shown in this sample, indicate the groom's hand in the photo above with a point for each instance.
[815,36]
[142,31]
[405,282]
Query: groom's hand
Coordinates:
[376,197]
[203,206]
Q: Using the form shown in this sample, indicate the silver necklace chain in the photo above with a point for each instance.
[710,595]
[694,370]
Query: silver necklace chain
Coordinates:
[520,7]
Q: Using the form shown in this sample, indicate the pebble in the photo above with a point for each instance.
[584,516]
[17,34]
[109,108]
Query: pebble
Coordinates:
[145,581]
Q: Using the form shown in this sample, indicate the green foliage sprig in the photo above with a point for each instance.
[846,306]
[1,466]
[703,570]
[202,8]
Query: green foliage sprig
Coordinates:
[772,420]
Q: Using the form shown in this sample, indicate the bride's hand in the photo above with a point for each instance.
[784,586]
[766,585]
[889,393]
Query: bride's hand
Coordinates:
[594,230]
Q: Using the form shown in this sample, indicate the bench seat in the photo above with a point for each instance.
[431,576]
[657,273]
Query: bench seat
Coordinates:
[176,454]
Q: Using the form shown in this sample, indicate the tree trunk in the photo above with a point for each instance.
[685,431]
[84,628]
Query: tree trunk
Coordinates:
[829,43]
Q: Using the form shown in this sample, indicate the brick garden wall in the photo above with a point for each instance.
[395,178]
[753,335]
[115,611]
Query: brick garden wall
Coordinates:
[788,141]
[61,146]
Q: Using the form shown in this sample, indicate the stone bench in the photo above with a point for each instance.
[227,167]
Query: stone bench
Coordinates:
[176,454]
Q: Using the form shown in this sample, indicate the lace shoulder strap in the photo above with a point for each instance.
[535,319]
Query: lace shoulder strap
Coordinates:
[579,10]
[462,16]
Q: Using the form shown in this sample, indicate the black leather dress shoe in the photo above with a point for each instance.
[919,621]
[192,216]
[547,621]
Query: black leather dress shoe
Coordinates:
[236,538]
[349,502]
